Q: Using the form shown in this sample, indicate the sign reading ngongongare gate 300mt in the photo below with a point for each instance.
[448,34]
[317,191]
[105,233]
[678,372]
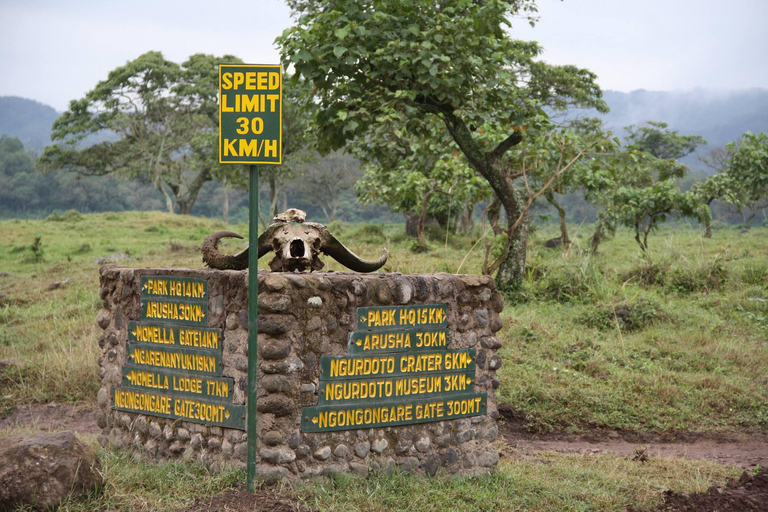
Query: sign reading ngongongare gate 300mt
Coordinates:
[250,114]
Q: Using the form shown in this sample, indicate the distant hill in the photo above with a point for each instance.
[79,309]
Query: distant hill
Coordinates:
[719,117]
[28,120]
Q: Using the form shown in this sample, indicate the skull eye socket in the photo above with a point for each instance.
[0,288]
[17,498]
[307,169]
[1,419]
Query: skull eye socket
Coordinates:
[297,248]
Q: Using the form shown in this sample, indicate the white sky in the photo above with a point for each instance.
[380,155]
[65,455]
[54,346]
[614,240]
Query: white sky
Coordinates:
[54,51]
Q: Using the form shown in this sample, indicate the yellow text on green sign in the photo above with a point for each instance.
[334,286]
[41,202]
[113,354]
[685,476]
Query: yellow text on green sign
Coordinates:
[250,114]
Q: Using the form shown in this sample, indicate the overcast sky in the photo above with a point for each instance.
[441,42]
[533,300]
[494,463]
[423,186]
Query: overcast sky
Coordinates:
[54,51]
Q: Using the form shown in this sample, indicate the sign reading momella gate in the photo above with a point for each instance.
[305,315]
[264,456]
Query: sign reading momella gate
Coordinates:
[399,371]
[173,368]
[250,114]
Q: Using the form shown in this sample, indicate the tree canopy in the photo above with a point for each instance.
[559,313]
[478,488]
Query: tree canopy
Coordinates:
[151,119]
[396,61]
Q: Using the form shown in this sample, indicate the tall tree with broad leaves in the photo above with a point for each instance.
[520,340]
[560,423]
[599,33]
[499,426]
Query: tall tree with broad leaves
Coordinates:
[151,119]
[398,61]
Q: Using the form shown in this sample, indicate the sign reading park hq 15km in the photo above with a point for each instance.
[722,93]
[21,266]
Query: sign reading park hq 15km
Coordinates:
[250,113]
[399,371]
[173,364]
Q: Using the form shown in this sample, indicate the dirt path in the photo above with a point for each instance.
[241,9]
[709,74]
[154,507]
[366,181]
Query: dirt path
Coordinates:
[744,452]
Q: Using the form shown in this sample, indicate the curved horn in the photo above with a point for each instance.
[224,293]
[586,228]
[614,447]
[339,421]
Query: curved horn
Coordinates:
[336,250]
[214,259]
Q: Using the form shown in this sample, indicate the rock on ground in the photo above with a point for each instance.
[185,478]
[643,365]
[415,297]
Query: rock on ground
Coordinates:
[41,470]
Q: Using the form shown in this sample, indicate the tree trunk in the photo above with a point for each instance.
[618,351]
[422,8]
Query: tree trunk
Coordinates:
[421,239]
[193,189]
[493,213]
[596,238]
[490,165]
[169,206]
[564,240]
[411,224]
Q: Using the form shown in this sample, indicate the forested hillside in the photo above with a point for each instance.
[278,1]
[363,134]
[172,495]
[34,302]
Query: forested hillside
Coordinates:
[718,116]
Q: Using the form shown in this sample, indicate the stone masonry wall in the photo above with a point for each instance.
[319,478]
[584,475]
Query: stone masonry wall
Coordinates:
[301,318]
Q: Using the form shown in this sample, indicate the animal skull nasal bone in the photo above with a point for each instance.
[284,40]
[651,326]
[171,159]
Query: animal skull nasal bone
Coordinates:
[297,248]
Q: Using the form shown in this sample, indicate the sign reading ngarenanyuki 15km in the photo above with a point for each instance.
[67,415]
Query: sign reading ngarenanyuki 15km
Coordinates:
[398,371]
[250,108]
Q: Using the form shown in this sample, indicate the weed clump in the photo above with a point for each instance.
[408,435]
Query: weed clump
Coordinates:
[157,228]
[68,216]
[36,252]
[581,280]
[370,233]
[628,316]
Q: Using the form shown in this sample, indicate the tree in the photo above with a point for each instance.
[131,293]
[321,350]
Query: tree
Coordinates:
[656,138]
[323,181]
[151,119]
[398,61]
[748,169]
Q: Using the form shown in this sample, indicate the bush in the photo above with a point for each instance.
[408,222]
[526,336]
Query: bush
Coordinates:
[566,282]
[755,275]
[68,216]
[370,234]
[36,252]
[628,315]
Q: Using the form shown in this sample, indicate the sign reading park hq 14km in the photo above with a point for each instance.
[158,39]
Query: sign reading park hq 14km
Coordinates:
[398,371]
[250,113]
[173,368]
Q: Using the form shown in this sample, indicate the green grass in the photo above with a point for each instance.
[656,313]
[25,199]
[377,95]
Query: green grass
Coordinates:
[667,342]
[550,482]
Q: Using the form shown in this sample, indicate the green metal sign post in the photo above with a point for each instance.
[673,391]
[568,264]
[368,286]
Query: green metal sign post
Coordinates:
[250,132]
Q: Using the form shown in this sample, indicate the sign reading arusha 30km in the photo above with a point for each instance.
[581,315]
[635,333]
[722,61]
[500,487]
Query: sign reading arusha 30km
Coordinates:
[250,108]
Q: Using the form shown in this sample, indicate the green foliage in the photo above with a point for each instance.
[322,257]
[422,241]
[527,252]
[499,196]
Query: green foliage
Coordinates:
[665,144]
[627,316]
[393,64]
[151,119]
[36,252]
[68,216]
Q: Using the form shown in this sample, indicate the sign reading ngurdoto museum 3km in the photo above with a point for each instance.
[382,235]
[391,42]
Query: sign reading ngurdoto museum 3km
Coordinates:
[173,367]
[399,371]
[250,108]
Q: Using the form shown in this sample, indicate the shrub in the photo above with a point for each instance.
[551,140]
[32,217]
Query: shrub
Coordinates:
[68,216]
[566,282]
[627,315]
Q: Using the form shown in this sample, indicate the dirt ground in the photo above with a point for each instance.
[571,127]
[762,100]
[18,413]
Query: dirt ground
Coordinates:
[749,493]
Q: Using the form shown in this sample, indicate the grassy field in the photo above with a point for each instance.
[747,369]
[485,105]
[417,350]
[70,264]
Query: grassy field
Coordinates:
[672,342]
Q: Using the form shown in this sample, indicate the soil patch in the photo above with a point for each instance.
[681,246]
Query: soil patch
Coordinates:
[240,500]
[747,494]
[80,418]
[745,452]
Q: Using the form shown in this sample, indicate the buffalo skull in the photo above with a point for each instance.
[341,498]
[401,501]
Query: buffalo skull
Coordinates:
[297,246]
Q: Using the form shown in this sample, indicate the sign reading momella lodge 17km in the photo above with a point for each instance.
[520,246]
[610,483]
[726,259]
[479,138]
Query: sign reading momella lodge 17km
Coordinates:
[250,113]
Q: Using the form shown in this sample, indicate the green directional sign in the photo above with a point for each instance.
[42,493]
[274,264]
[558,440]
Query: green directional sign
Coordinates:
[397,363]
[393,413]
[181,313]
[377,390]
[393,318]
[165,405]
[162,333]
[383,340]
[187,289]
[186,384]
[250,114]
[206,362]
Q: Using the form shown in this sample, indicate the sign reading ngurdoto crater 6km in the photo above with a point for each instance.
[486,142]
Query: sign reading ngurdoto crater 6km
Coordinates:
[250,108]
[398,371]
[173,367]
